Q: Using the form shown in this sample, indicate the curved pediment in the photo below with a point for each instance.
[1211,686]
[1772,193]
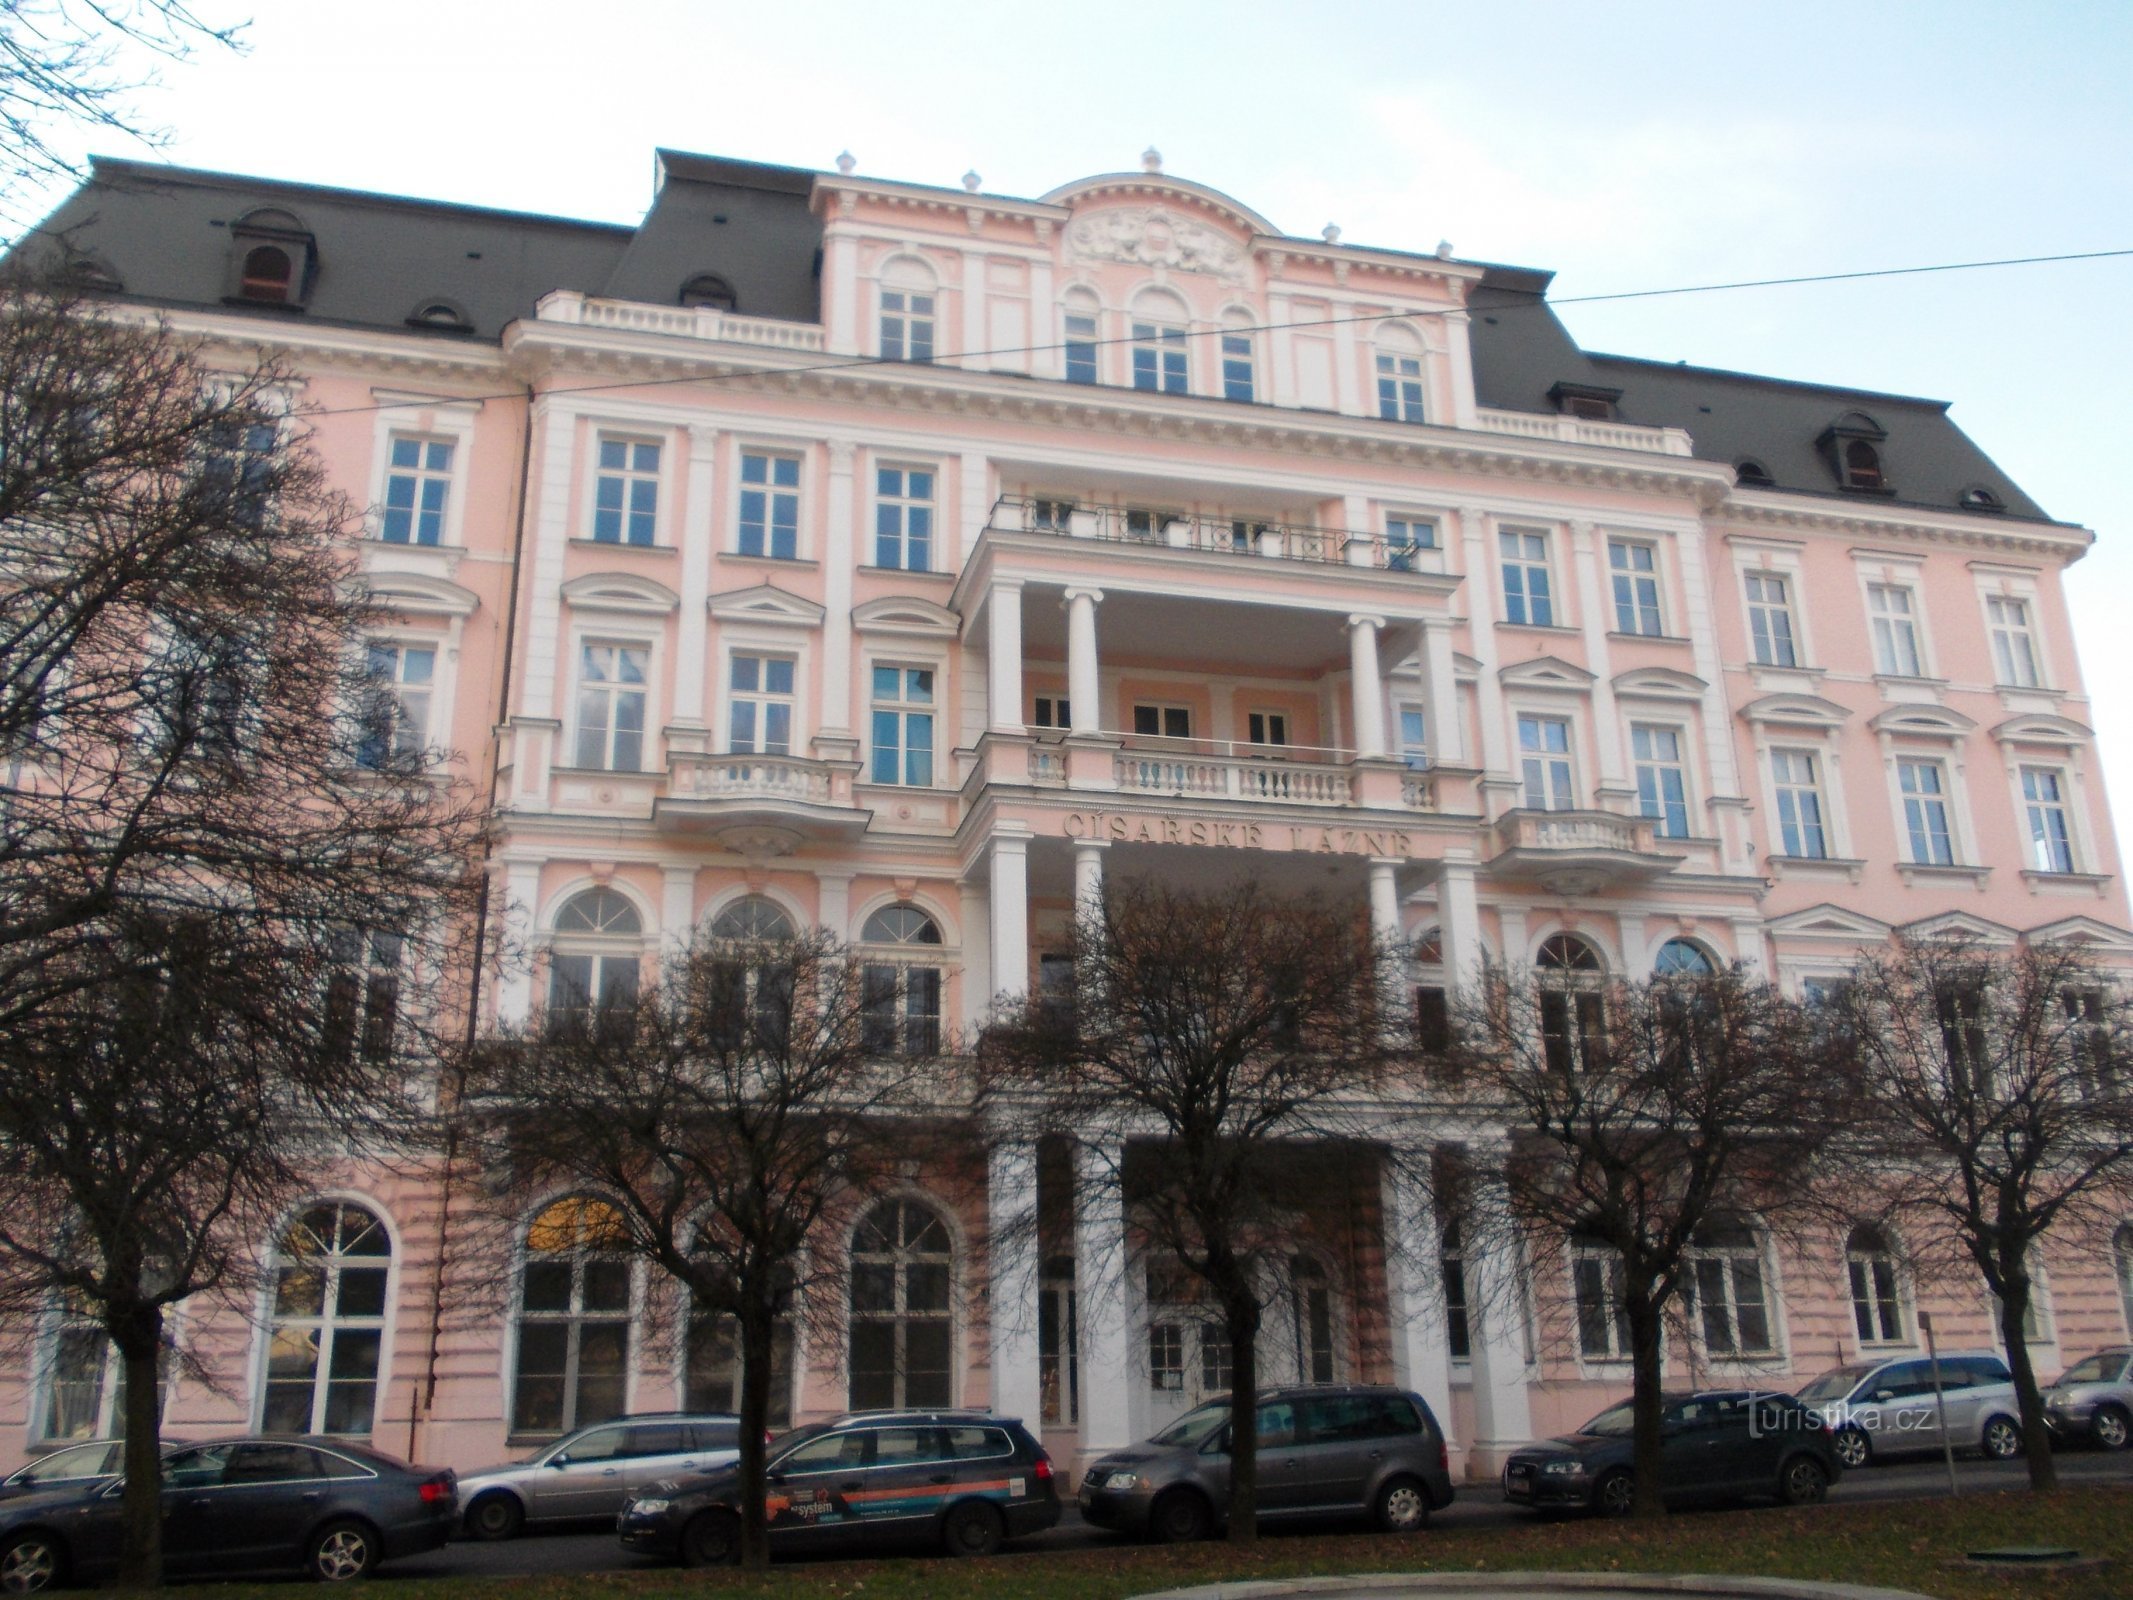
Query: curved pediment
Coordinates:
[1798,710]
[620,591]
[1659,683]
[766,602]
[419,594]
[2060,732]
[1546,672]
[1924,722]
[905,614]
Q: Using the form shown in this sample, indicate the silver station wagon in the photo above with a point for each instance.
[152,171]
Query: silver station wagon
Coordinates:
[592,1472]
[2093,1399]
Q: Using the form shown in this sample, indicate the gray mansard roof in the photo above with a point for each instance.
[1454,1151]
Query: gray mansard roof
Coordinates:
[162,232]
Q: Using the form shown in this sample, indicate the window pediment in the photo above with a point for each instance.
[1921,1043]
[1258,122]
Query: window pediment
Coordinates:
[1936,722]
[620,591]
[2059,732]
[1958,925]
[2083,932]
[766,602]
[1828,921]
[1796,710]
[1547,672]
[420,595]
[908,616]
[1659,683]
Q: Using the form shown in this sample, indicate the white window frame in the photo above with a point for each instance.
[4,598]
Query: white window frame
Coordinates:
[615,639]
[761,698]
[1166,343]
[1680,764]
[1415,753]
[435,692]
[1271,722]
[1607,1266]
[1784,559]
[1636,578]
[1400,383]
[1568,755]
[1818,787]
[916,309]
[1730,1258]
[1163,708]
[1858,1261]
[776,450]
[522,1256]
[661,478]
[1237,344]
[2063,778]
[908,661]
[437,419]
[1528,564]
[1081,305]
[423,474]
[1787,609]
[1944,796]
[1899,651]
[1407,535]
[329,1323]
[904,504]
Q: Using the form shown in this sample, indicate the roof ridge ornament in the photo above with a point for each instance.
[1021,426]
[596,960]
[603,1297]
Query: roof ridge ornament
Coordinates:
[1151,160]
[847,163]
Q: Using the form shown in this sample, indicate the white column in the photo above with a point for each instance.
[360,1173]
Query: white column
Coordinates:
[1100,1277]
[1089,872]
[1421,1346]
[521,889]
[1385,899]
[1590,563]
[1458,923]
[693,638]
[1004,656]
[677,908]
[1459,353]
[1011,1222]
[833,903]
[551,536]
[837,594]
[1010,914]
[1367,685]
[976,976]
[1483,608]
[1440,694]
[1503,1413]
[1082,691]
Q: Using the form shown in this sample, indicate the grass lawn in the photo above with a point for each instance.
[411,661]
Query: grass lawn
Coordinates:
[1898,1546]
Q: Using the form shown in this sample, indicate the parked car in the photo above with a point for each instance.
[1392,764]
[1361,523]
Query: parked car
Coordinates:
[1725,1444]
[72,1466]
[1323,1449]
[1878,1409]
[2093,1399]
[961,1479]
[591,1472]
[234,1506]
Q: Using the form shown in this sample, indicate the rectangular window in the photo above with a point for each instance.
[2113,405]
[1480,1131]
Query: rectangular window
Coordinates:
[903,726]
[418,483]
[1727,1304]
[1237,366]
[1414,735]
[1770,621]
[1268,727]
[1573,1030]
[1400,388]
[1960,1010]
[1526,597]
[901,1010]
[770,505]
[1799,800]
[1635,570]
[1889,609]
[2051,840]
[1925,812]
[1163,722]
[1058,1342]
[906,326]
[1051,711]
[1544,756]
[760,719]
[1159,357]
[396,723]
[611,691]
[626,492]
[903,518]
[2014,647]
[1052,516]
[1877,1304]
[1404,537]
[1662,784]
[1080,348]
[362,995]
[1603,1326]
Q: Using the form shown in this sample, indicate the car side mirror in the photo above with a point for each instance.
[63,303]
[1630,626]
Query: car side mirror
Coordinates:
[562,1460]
[1884,1396]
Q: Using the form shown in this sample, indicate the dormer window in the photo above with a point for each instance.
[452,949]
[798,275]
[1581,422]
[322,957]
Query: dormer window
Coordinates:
[1852,447]
[273,260]
[710,291]
[1979,498]
[1752,474]
[444,316]
[1588,401]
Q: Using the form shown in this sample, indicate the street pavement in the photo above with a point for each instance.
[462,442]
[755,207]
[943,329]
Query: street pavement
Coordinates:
[1480,1505]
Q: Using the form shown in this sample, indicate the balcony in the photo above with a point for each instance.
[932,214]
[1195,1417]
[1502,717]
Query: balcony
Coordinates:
[1576,852]
[1249,774]
[1245,538]
[759,804]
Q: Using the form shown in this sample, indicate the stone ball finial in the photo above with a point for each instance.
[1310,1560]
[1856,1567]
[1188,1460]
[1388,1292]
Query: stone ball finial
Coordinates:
[1331,233]
[846,162]
[1444,249]
[971,180]
[1151,160]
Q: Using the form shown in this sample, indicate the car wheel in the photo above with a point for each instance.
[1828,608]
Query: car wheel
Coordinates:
[2001,1440]
[341,1552]
[1803,1481]
[973,1529]
[32,1564]
[1615,1495]
[496,1515]
[1403,1506]
[1852,1448]
[1180,1517]
[2109,1428]
[712,1539]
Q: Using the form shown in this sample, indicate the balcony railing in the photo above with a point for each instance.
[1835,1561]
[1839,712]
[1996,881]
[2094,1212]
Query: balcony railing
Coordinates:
[1572,830]
[689,322]
[1243,537]
[749,777]
[1582,430]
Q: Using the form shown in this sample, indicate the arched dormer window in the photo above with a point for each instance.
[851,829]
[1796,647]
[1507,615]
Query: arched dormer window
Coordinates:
[593,967]
[273,259]
[1159,331]
[902,979]
[1399,372]
[1852,447]
[1573,1015]
[908,301]
[1081,319]
[1240,364]
[441,316]
[710,291]
[1752,474]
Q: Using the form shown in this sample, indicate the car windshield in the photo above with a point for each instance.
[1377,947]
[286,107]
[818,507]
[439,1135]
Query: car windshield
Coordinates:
[1616,1422]
[2097,1369]
[1194,1427]
[1834,1385]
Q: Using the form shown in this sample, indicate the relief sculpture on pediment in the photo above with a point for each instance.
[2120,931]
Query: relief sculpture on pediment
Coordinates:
[1151,236]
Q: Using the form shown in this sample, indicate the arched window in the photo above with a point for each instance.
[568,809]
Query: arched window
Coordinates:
[1451,1267]
[267,274]
[753,917]
[573,1318]
[1681,958]
[1862,465]
[2122,1260]
[901,1333]
[1566,952]
[908,303]
[325,1343]
[272,259]
[1573,1013]
[709,290]
[1877,1287]
[1727,1301]
[599,947]
[1752,474]
[758,990]
[902,982]
[1239,359]
[447,315]
[1159,329]
[1399,373]
[1078,330]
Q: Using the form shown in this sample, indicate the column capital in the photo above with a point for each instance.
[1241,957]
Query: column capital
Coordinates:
[703,441]
[1083,591]
[1472,517]
[1092,846]
[1006,585]
[1365,619]
[841,452]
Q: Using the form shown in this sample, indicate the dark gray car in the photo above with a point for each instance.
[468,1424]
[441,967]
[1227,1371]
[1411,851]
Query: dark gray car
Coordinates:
[1323,1450]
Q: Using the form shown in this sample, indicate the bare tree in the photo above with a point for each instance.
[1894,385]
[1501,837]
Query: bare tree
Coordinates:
[1636,1117]
[759,1088]
[220,856]
[68,64]
[1995,1109]
[1216,1051]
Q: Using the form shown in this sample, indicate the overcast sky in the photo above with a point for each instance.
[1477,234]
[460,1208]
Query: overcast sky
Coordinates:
[1627,146]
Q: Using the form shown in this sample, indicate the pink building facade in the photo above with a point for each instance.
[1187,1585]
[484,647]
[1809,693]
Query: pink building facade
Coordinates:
[909,561]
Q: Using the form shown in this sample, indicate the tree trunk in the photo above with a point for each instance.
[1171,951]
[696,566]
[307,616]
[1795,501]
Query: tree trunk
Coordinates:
[1241,1323]
[138,1334]
[757,1334]
[2036,1437]
[1646,1325]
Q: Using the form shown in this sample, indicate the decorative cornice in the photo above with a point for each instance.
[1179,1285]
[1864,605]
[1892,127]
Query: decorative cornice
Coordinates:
[1765,509]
